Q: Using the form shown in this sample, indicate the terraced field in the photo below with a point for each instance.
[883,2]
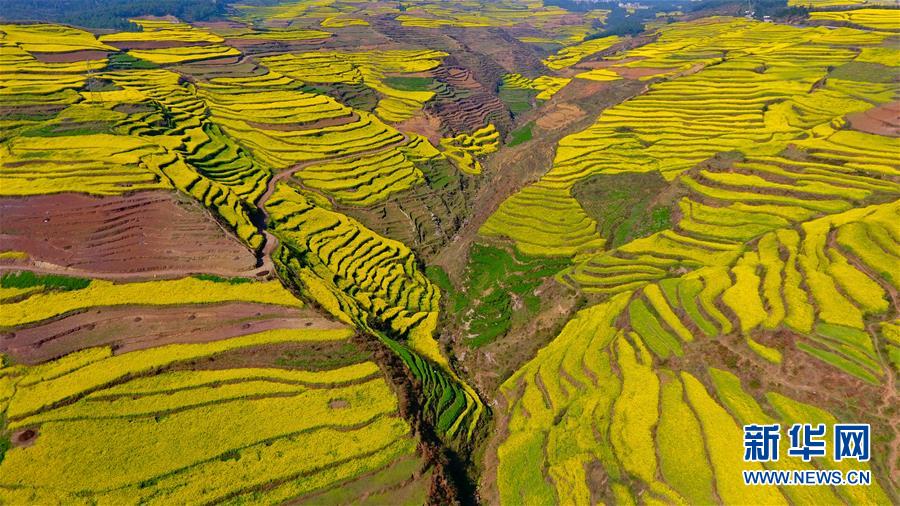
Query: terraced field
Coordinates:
[428,252]
[782,250]
[880,19]
[571,55]
[110,140]
[370,69]
[611,359]
[768,99]
[350,427]
[378,289]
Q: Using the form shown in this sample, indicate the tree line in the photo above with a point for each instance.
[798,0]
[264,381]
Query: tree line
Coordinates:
[109,14]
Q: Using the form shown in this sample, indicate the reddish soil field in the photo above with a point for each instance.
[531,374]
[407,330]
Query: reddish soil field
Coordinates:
[141,232]
[71,56]
[130,328]
[882,120]
[457,77]
[155,44]
[423,124]
[559,116]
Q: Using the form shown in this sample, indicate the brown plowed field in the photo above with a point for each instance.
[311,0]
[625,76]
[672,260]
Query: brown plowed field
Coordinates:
[477,109]
[145,231]
[881,120]
[70,56]
[131,328]
[126,45]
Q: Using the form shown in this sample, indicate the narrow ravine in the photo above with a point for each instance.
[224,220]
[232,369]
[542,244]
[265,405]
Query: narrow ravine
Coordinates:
[450,482]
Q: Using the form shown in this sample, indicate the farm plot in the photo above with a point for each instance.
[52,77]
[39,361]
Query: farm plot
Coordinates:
[817,4]
[105,427]
[280,15]
[199,160]
[49,302]
[545,222]
[209,152]
[100,164]
[241,35]
[161,32]
[28,83]
[465,148]
[45,38]
[127,328]
[292,126]
[120,132]
[462,104]
[472,14]
[342,22]
[499,292]
[144,231]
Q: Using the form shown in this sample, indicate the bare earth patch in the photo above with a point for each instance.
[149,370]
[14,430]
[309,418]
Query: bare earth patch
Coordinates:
[130,328]
[145,231]
[881,120]
[423,124]
[70,56]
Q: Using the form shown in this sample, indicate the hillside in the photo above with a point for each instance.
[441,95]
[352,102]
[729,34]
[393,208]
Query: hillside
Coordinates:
[430,252]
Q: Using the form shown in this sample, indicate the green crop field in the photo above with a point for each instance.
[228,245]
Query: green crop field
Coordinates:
[511,252]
